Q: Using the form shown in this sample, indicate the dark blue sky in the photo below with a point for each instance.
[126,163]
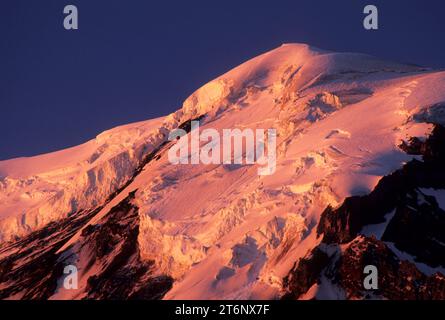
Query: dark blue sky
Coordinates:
[138,59]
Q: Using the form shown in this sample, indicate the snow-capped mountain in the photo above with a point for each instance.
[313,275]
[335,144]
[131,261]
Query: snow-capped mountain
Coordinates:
[359,180]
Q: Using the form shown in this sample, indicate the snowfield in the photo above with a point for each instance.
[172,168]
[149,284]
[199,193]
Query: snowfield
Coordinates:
[223,231]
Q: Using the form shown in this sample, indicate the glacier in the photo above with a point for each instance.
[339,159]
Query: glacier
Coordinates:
[220,231]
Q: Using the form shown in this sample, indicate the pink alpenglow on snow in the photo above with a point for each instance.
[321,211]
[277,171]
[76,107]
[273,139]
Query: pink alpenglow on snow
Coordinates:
[337,158]
[217,150]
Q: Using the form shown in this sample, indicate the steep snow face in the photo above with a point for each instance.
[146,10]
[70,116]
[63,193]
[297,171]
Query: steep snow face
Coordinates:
[38,190]
[263,71]
[222,231]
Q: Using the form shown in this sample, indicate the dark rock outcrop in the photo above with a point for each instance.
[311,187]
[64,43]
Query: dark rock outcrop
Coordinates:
[418,224]
[417,227]
[344,271]
[114,246]
[33,267]
[304,275]
[30,267]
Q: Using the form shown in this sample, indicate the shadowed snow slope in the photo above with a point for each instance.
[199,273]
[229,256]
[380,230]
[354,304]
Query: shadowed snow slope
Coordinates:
[223,231]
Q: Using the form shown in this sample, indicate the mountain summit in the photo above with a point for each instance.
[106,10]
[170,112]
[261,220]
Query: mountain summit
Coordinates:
[359,181]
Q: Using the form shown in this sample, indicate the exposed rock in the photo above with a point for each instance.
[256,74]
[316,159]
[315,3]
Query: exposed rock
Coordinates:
[30,267]
[397,280]
[305,274]
[415,228]
[125,275]
[418,224]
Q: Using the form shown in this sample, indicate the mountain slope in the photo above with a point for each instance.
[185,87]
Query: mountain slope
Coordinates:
[219,231]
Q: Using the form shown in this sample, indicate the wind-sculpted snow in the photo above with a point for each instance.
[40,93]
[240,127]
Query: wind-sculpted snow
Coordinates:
[221,230]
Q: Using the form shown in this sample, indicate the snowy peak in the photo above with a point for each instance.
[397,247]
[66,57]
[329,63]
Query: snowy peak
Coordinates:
[220,230]
[293,66]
